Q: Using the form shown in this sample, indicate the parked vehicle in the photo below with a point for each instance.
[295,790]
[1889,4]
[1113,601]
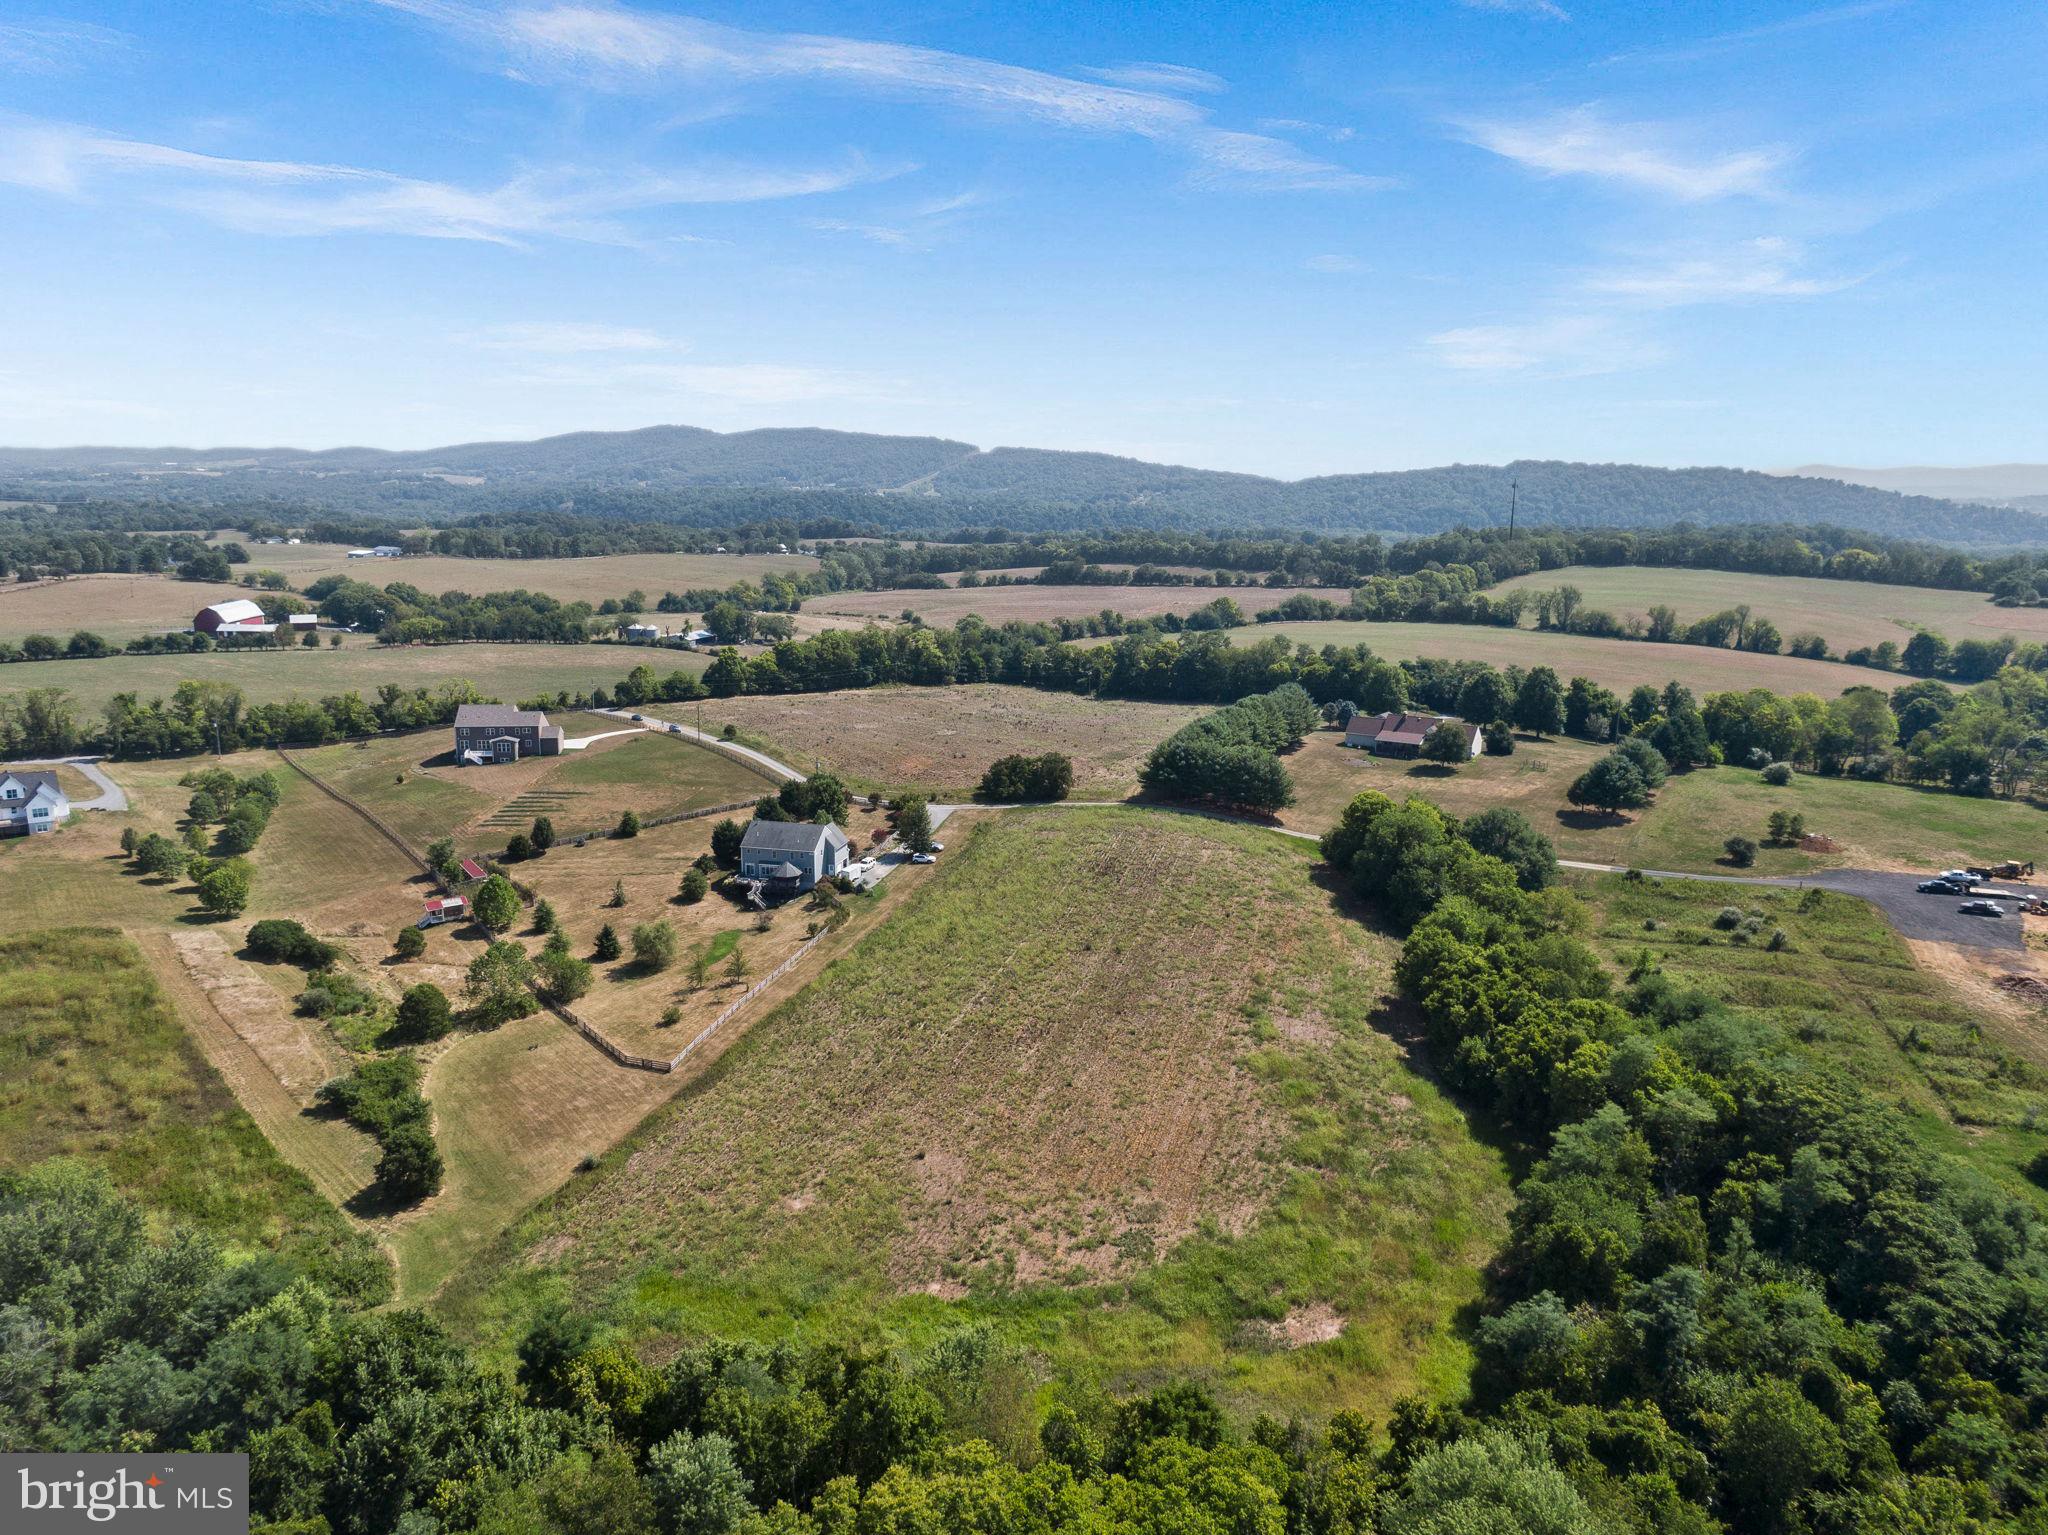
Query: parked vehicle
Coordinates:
[2011,868]
[1981,909]
[1961,877]
[922,858]
[1939,887]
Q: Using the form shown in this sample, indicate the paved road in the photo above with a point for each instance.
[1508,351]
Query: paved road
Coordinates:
[111,795]
[583,743]
[780,769]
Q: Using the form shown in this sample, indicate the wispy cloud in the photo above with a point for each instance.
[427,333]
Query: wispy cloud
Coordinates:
[1564,346]
[283,197]
[1540,8]
[47,46]
[1729,42]
[1768,268]
[567,336]
[1160,77]
[917,227]
[1332,263]
[1581,142]
[603,45]
[1303,128]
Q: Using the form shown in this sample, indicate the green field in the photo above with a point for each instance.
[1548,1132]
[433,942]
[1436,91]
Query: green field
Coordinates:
[1617,664]
[1047,1093]
[1878,825]
[95,1065]
[1844,613]
[1846,990]
[505,672]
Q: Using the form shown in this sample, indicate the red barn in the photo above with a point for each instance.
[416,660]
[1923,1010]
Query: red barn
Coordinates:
[238,615]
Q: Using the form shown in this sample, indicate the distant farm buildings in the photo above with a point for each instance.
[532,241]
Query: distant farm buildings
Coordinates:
[641,633]
[377,552]
[31,802]
[238,615]
[1401,734]
[498,733]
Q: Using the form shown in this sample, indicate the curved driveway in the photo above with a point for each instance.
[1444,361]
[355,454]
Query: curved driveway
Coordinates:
[111,795]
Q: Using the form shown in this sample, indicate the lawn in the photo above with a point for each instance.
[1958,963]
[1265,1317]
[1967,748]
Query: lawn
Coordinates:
[505,672]
[95,1065]
[1033,603]
[1877,825]
[1617,664]
[115,607]
[590,579]
[939,741]
[1046,1096]
[1844,613]
[1846,990]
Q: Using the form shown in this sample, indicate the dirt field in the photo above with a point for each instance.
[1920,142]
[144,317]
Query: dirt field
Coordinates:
[1027,604]
[115,607]
[505,672]
[1844,613]
[999,1090]
[940,740]
[1617,664]
[589,580]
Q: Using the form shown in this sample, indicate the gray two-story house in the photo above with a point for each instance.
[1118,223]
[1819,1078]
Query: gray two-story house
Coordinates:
[499,733]
[789,857]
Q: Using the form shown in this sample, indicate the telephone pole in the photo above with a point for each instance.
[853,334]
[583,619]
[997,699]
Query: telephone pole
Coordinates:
[1514,496]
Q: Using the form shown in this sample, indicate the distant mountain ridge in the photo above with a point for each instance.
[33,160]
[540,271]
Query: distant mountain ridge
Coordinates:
[1994,484]
[938,483]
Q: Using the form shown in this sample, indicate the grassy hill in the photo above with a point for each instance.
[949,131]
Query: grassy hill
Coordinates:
[1123,1086]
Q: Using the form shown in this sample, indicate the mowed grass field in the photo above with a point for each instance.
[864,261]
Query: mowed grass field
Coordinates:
[590,579]
[1846,990]
[940,741]
[1617,664]
[1030,604]
[1844,613]
[410,782]
[94,1065]
[115,607]
[506,672]
[1112,1081]
[1878,825]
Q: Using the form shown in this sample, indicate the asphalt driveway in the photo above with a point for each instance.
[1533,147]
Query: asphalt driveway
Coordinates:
[1933,918]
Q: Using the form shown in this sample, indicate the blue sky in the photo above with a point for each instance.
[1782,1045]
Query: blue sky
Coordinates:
[1281,237]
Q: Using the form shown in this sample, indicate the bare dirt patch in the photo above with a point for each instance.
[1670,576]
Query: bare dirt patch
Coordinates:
[1302,1327]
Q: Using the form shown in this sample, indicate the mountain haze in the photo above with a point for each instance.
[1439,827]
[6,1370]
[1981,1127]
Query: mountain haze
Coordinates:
[935,484]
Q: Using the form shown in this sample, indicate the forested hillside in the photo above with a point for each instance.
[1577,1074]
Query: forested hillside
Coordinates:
[925,485]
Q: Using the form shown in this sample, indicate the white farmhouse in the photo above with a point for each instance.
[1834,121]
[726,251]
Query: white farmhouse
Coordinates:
[31,802]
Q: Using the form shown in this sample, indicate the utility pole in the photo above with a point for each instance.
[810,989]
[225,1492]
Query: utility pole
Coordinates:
[1514,496]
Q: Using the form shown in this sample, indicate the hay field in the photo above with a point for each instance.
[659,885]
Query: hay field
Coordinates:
[1328,774]
[1113,1081]
[115,607]
[939,741]
[1031,604]
[1617,664]
[1845,613]
[506,672]
[95,1065]
[590,579]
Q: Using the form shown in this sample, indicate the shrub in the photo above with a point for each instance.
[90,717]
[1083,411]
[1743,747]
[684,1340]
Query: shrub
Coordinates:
[410,1168]
[1777,774]
[1500,740]
[654,945]
[410,943]
[1778,940]
[424,1012]
[281,941]
[695,886]
[496,903]
[330,994]
[543,835]
[563,975]
[1018,778]
[629,826]
[606,948]
[1727,917]
[519,849]
[1741,851]
[544,918]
